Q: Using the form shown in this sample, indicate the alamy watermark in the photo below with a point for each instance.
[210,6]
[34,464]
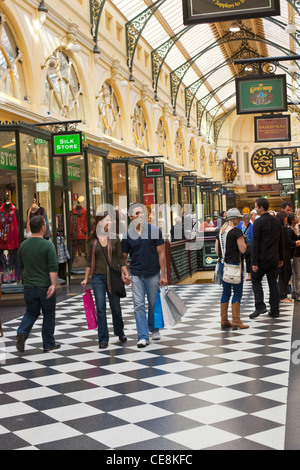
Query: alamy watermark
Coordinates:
[186,220]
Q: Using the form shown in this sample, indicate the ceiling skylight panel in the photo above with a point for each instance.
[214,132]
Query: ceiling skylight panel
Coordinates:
[130,8]
[154,33]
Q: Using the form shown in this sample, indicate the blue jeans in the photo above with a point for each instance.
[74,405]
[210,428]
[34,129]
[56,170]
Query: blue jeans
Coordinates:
[35,299]
[99,284]
[237,289]
[141,286]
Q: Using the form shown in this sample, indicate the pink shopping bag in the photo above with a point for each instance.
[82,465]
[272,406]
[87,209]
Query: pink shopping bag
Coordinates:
[90,309]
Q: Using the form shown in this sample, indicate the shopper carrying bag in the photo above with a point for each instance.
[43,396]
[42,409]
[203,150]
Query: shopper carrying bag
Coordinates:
[105,254]
[229,246]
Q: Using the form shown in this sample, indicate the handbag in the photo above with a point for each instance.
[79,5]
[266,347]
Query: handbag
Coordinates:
[116,283]
[158,314]
[90,309]
[232,273]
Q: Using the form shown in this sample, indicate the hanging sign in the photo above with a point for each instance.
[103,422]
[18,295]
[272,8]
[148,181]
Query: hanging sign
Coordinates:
[67,144]
[212,11]
[272,128]
[189,181]
[261,94]
[154,170]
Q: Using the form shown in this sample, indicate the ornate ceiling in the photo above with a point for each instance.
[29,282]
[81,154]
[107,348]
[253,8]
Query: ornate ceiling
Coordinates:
[201,57]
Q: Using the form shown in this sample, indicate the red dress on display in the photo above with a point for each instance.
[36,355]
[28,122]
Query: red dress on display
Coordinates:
[9,227]
[78,223]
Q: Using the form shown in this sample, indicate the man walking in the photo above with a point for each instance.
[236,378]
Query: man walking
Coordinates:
[145,245]
[38,262]
[266,257]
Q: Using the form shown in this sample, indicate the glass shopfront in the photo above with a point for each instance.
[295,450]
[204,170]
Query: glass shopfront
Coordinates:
[66,190]
[25,191]
[9,212]
[126,190]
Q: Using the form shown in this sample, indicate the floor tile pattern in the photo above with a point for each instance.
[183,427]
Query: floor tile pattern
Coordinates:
[197,388]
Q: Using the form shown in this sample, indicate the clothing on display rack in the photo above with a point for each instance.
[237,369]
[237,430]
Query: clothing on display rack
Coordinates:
[9,227]
[9,244]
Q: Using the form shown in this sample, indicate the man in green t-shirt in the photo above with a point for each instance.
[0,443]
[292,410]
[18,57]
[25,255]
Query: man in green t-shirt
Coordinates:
[38,262]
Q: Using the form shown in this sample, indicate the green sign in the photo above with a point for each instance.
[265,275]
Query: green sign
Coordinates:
[266,93]
[210,257]
[8,159]
[67,144]
[74,172]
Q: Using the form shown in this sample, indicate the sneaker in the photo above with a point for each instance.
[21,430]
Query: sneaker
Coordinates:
[156,335]
[21,338]
[56,346]
[256,313]
[142,343]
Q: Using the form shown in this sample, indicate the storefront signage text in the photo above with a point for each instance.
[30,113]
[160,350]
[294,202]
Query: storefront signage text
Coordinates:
[154,170]
[211,11]
[262,94]
[67,144]
[8,159]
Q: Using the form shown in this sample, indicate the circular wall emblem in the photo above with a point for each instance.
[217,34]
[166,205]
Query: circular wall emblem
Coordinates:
[262,161]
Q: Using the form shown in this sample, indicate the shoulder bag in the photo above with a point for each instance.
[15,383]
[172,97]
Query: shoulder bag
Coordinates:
[116,284]
[232,273]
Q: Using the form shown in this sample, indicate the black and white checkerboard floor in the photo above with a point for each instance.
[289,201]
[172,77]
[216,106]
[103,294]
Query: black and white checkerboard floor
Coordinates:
[196,388]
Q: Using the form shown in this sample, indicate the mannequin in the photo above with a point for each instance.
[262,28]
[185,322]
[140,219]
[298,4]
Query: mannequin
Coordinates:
[78,229]
[9,242]
[36,209]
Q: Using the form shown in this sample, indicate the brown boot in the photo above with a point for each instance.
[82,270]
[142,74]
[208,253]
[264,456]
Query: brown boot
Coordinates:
[236,321]
[225,323]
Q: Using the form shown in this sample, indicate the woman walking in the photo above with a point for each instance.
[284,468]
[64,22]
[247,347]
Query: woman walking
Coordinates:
[230,244]
[102,247]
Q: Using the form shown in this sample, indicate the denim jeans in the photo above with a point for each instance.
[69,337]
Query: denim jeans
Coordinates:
[36,299]
[237,289]
[99,284]
[141,286]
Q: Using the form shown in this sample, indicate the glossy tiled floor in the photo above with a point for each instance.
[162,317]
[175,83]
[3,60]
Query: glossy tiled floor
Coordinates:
[196,388]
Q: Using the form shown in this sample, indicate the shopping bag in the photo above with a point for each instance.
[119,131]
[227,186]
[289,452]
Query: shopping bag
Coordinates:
[175,301]
[217,277]
[171,317]
[90,309]
[158,314]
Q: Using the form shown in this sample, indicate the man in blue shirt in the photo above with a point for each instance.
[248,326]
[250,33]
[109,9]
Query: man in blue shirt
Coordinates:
[145,245]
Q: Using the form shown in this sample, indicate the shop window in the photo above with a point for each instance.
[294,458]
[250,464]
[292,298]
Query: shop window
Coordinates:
[11,73]
[63,90]
[139,127]
[9,211]
[119,183]
[179,148]
[96,183]
[109,112]
[134,184]
[78,212]
[162,139]
[35,181]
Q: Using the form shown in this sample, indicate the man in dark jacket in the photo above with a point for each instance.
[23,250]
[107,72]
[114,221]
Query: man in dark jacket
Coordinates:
[266,257]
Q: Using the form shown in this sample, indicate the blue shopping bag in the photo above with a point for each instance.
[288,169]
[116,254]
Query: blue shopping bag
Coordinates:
[158,314]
